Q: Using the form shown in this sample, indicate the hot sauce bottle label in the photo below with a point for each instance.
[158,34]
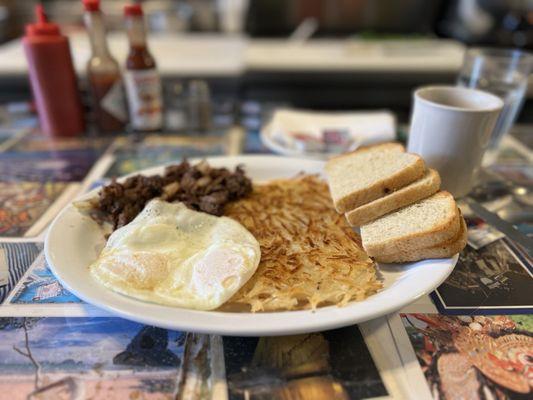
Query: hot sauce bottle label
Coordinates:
[113,102]
[143,88]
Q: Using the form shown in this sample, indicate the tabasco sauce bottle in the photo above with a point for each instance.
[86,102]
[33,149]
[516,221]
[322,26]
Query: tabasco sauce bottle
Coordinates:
[103,74]
[143,84]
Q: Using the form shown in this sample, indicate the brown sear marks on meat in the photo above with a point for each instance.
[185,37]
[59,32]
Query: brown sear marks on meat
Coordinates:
[201,187]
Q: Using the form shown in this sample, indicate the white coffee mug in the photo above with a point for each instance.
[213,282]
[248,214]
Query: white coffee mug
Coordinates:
[450,129]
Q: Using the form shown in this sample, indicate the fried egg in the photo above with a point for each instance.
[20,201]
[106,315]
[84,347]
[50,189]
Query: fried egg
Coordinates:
[175,256]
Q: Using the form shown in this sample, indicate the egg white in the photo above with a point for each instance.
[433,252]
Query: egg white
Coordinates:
[175,256]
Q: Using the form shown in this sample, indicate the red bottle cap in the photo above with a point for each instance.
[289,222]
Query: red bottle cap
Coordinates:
[133,10]
[42,26]
[91,5]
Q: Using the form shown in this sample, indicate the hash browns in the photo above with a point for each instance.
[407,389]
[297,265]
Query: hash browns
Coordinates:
[310,257]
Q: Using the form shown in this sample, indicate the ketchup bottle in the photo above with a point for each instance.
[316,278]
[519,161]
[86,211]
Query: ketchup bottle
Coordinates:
[142,81]
[52,78]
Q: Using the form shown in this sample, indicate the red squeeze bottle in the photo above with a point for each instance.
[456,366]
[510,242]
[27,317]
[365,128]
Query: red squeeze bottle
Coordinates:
[52,78]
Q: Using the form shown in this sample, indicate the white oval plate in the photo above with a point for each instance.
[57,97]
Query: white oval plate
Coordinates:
[74,241]
[271,143]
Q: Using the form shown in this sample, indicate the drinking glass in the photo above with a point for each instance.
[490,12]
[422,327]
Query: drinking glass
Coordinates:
[503,72]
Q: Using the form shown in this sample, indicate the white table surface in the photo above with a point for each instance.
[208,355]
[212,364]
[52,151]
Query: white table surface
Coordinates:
[183,55]
[355,55]
[217,55]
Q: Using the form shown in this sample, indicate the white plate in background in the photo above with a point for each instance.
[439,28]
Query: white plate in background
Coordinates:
[276,146]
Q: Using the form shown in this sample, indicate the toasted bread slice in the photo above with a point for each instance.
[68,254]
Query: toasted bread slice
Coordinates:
[442,250]
[420,189]
[444,243]
[369,173]
[419,225]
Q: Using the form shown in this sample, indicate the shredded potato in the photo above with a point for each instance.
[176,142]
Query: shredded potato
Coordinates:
[310,257]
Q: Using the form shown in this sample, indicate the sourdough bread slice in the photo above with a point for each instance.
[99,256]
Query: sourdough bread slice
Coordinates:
[369,173]
[420,189]
[442,250]
[422,224]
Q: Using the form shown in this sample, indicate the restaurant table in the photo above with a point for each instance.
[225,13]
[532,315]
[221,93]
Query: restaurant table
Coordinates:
[354,72]
[472,338]
[207,55]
